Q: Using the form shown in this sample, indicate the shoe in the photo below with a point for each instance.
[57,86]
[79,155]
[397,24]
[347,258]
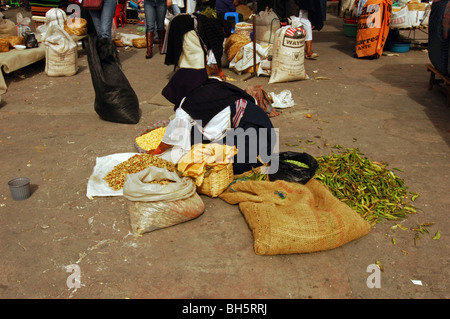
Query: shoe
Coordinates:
[313,56]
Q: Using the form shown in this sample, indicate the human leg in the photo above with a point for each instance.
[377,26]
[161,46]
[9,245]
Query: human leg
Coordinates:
[150,16]
[176,9]
[161,10]
[103,18]
[306,24]
[95,17]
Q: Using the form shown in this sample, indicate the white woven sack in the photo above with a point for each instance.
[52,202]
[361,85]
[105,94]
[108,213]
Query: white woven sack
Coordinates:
[267,23]
[288,58]
[400,19]
[61,63]
[61,55]
[56,15]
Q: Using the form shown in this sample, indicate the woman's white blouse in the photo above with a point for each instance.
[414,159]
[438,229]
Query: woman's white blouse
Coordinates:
[178,132]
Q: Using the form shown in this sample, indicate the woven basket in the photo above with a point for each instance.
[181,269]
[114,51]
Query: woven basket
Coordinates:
[215,183]
[244,28]
[75,31]
[4,45]
[150,128]
[13,40]
[417,6]
[76,23]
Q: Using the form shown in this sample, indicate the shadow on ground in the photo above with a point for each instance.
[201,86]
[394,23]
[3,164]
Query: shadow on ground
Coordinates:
[413,79]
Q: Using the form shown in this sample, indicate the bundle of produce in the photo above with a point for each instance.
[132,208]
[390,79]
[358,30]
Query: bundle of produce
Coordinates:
[371,189]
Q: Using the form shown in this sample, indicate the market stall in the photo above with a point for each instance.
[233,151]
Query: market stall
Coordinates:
[408,17]
[48,39]
[16,59]
[308,205]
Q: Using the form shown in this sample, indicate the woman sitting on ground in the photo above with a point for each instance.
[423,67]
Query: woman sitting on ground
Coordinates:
[210,110]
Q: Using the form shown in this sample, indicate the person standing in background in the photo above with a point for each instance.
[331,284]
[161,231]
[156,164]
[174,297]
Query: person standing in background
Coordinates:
[177,5]
[310,14]
[155,13]
[103,19]
[311,17]
[224,6]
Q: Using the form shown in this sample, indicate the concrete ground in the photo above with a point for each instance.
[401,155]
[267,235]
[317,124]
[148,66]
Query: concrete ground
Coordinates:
[51,134]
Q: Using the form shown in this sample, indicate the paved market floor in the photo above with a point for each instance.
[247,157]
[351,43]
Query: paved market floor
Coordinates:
[51,134]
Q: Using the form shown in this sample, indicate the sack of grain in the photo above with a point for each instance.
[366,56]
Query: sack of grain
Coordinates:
[267,23]
[288,56]
[158,198]
[244,29]
[61,55]
[7,28]
[56,16]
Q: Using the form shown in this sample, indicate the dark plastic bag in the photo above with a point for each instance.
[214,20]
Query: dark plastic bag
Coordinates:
[294,173]
[30,40]
[115,99]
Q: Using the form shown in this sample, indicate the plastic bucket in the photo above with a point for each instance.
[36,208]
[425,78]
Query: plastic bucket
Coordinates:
[350,29]
[350,20]
[397,46]
[20,188]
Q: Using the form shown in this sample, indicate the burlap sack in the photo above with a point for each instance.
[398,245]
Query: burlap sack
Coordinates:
[289,218]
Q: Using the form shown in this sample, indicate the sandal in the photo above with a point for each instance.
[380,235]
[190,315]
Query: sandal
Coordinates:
[313,56]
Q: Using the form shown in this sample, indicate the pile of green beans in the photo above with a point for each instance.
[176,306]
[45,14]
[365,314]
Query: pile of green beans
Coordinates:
[369,188]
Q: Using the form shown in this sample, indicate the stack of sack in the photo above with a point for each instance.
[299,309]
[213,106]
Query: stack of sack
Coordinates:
[410,14]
